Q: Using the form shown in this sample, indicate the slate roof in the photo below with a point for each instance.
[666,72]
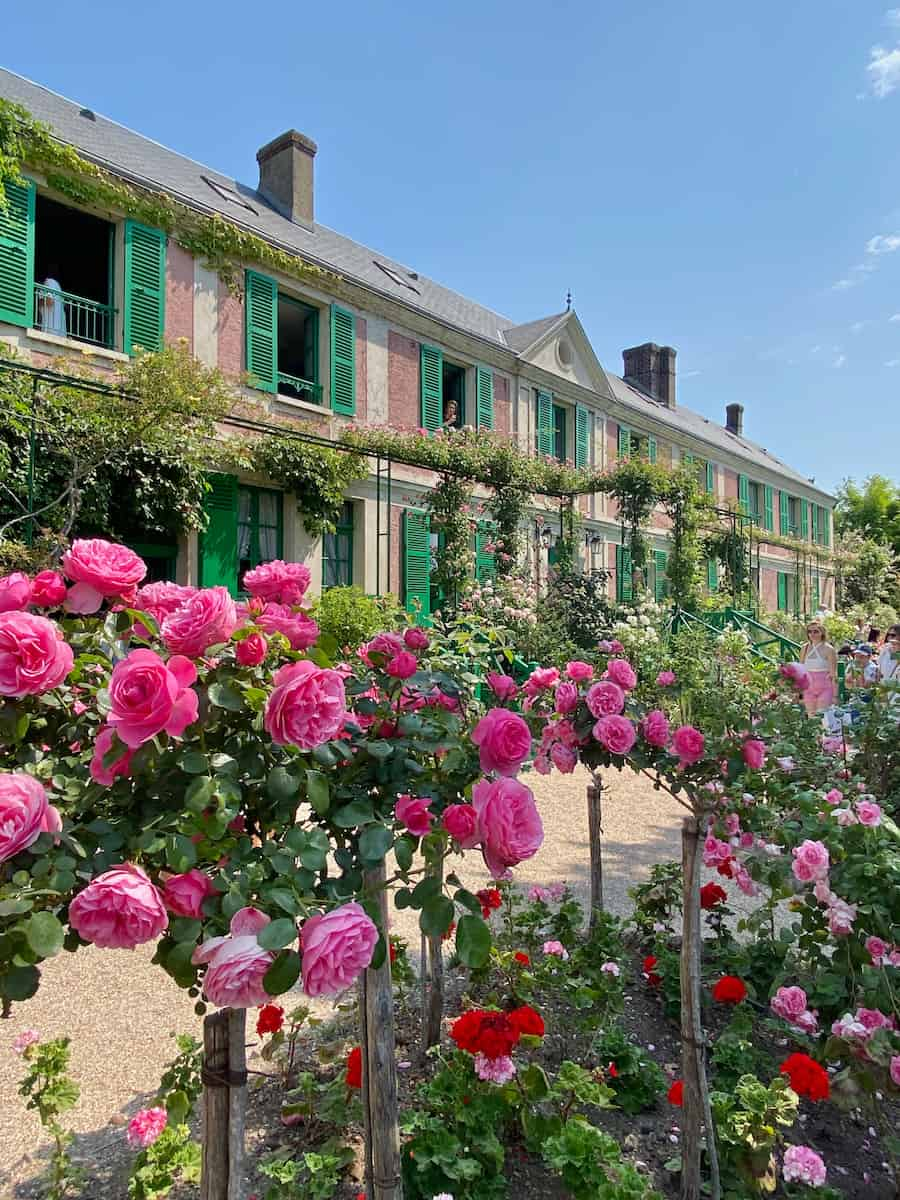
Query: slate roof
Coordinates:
[142,160]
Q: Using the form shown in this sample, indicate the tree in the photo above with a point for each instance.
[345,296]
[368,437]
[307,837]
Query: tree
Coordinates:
[869,576]
[872,510]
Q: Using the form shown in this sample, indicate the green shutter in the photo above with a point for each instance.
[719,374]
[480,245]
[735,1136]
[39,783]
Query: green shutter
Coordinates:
[261,330]
[431,388]
[582,436]
[768,498]
[484,398]
[782,591]
[343,361]
[816,596]
[661,583]
[17,254]
[219,542]
[825,526]
[804,519]
[687,459]
[651,449]
[417,564]
[712,574]
[624,441]
[485,567]
[145,287]
[814,517]
[784,510]
[623,574]
[744,494]
[711,479]
[545,429]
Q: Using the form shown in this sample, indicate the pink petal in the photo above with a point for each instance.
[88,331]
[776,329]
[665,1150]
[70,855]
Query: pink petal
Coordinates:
[248,921]
[204,952]
[184,713]
[183,669]
[82,598]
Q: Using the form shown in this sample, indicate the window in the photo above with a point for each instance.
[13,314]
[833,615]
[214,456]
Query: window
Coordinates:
[337,551]
[559,433]
[298,350]
[757,501]
[259,528]
[636,445]
[787,592]
[454,394]
[282,345]
[161,559]
[73,273]
[794,510]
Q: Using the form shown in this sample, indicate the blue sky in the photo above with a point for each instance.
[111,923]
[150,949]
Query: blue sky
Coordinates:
[721,178]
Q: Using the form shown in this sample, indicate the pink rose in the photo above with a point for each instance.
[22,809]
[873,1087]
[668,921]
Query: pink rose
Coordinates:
[688,743]
[797,674]
[48,589]
[841,916]
[385,644]
[298,627]
[566,698]
[503,740]
[278,581]
[509,826]
[845,816]
[100,569]
[872,1019]
[754,752]
[808,1022]
[622,673]
[184,894]
[895,1069]
[207,618]
[416,638]
[617,734]
[15,592]
[145,1127]
[251,651]
[402,665]
[803,1165]
[655,728]
[540,679]
[236,963]
[336,948]
[413,812]
[564,759]
[161,598]
[579,672]
[103,743]
[307,707]
[811,861]
[665,679]
[34,658]
[461,822]
[788,1003]
[24,813]
[869,812]
[119,910]
[148,696]
[605,699]
[877,949]
[834,796]
[503,686]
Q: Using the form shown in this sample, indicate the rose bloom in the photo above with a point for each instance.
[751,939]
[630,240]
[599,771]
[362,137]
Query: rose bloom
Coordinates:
[21,1042]
[841,916]
[729,990]
[15,592]
[834,796]
[503,740]
[845,816]
[579,672]
[617,734]
[270,1019]
[675,1094]
[556,950]
[207,619]
[184,894]
[665,679]
[298,627]
[145,1127]
[161,598]
[107,775]
[307,707]
[236,963]
[148,696]
[566,698]
[386,644]
[119,910]
[509,827]
[336,947]
[754,752]
[895,1069]
[564,759]
[605,699]
[622,673]
[34,658]
[353,1068]
[503,686]
[803,1165]
[282,582]
[412,811]
[811,861]
[877,949]
[48,589]
[100,569]
[788,1003]
[402,665]
[24,813]
[688,743]
[540,679]
[461,822]
[796,673]
[806,1076]
[711,895]
[251,651]
[416,638]
[869,812]
[655,728]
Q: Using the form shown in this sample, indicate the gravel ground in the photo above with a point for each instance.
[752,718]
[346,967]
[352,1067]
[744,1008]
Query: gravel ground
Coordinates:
[119,1009]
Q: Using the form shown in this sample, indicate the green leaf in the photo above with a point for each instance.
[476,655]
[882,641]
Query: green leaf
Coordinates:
[436,916]
[534,1083]
[45,934]
[374,843]
[281,785]
[318,792]
[380,749]
[181,853]
[403,852]
[192,762]
[357,812]
[283,973]
[19,983]
[315,853]
[223,695]
[277,934]
[178,1107]
[467,900]
[473,941]
[12,908]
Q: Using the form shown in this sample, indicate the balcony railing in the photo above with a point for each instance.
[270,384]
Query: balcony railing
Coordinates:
[300,389]
[73,316]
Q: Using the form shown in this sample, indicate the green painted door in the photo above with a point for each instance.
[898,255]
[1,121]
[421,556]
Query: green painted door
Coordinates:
[218,542]
[417,564]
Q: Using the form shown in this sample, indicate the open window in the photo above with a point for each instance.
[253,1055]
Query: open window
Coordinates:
[337,551]
[559,433]
[298,350]
[260,531]
[756,501]
[453,390]
[74,255]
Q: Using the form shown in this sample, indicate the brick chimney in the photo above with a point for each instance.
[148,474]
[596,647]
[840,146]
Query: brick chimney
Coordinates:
[286,176]
[734,419]
[651,368]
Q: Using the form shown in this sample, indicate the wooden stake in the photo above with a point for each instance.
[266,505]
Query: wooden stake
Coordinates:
[237,1099]
[224,1104]
[433,980]
[595,818]
[376,1019]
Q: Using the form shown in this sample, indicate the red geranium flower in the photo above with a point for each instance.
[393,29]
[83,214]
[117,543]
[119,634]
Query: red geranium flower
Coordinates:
[675,1094]
[726,868]
[393,952]
[526,1020]
[489,899]
[649,974]
[489,1033]
[522,958]
[270,1019]
[729,990]
[711,895]
[612,1071]
[806,1076]
[353,1077]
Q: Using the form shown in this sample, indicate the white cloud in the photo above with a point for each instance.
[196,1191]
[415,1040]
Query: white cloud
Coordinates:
[895,317]
[858,326]
[690,374]
[893,362]
[839,361]
[883,243]
[815,349]
[846,282]
[883,70]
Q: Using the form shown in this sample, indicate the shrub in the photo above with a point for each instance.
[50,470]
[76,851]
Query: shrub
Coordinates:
[351,616]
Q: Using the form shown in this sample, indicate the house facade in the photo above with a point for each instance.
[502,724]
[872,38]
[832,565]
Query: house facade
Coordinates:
[369,341]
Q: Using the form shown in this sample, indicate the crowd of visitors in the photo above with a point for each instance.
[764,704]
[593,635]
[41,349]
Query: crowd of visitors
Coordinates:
[871,659]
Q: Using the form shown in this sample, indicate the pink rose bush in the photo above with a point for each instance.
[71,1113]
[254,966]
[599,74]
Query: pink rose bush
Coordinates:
[307,707]
[503,686]
[100,570]
[15,592]
[278,581]
[48,589]
[795,673]
[622,673]
[119,909]
[503,740]
[107,772]
[336,947]
[509,827]
[208,618]
[655,729]
[236,963]
[251,651]
[34,657]
[617,734]
[148,696]
[297,626]
[754,753]
[24,813]
[688,744]
[811,861]
[605,699]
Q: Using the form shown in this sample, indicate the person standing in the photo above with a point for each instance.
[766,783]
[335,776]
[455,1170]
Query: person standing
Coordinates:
[820,660]
[889,658]
[51,308]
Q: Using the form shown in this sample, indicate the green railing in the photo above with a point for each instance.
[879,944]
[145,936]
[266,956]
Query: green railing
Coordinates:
[68,315]
[767,644]
[300,389]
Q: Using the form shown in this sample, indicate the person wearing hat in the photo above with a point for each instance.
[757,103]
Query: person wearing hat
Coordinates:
[862,672]
[889,658]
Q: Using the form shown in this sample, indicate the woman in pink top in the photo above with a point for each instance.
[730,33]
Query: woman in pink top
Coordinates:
[820,661]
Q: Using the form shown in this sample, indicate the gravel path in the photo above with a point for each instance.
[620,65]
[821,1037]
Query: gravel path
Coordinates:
[119,1009]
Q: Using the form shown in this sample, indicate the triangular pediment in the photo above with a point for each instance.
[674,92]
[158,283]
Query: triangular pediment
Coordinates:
[559,345]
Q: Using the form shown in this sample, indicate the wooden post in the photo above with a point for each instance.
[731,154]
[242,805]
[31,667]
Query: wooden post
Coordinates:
[433,980]
[595,818]
[224,1104]
[376,1020]
[237,1099]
